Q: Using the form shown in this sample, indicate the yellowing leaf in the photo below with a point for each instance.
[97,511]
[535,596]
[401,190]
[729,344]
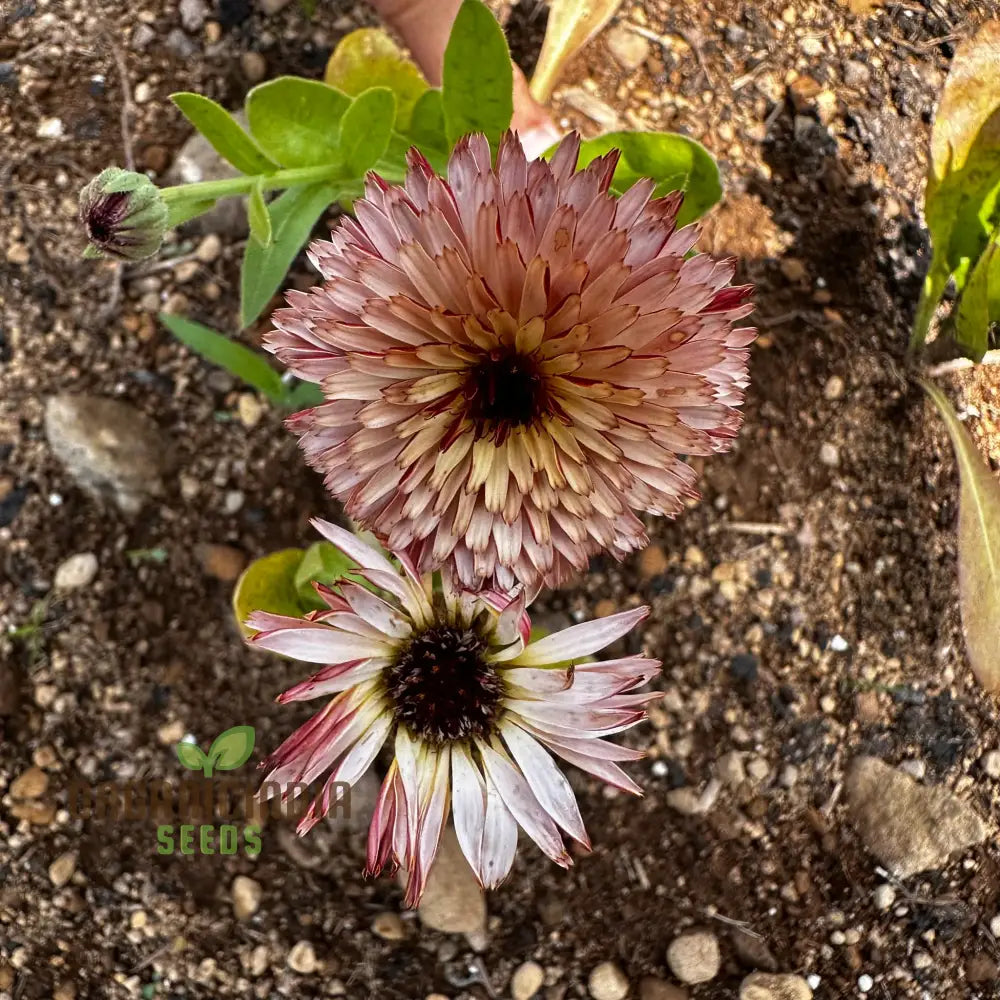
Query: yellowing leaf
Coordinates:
[572,23]
[268,584]
[963,183]
[978,548]
[367,58]
[969,110]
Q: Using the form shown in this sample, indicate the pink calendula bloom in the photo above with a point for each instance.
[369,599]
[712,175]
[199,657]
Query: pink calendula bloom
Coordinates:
[472,710]
[514,359]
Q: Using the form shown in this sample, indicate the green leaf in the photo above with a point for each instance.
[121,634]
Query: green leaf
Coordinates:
[240,361]
[232,748]
[179,212]
[323,563]
[427,123]
[675,162]
[190,755]
[978,547]
[259,217]
[293,216]
[224,133]
[368,57]
[268,584]
[365,129]
[303,396]
[295,121]
[962,198]
[478,79]
[979,306]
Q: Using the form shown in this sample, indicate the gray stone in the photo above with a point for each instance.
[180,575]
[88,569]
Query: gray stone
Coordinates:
[193,14]
[142,36]
[763,986]
[452,902]
[909,827]
[197,161]
[607,982]
[178,44]
[629,49]
[108,448]
[694,957]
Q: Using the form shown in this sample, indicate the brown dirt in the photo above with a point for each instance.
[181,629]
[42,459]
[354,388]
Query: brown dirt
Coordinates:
[833,633]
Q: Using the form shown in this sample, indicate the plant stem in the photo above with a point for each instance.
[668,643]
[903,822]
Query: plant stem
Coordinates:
[292,177]
[206,190]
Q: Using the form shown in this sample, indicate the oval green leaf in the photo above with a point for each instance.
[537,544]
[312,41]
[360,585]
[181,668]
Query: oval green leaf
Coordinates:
[295,121]
[675,162]
[368,57]
[323,563]
[978,547]
[478,79]
[268,584]
[427,123]
[224,133]
[365,130]
[232,748]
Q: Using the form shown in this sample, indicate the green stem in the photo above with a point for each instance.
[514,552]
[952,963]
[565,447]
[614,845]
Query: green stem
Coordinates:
[207,190]
[292,177]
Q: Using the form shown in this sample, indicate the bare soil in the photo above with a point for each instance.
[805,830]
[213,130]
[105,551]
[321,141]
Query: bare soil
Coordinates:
[805,610]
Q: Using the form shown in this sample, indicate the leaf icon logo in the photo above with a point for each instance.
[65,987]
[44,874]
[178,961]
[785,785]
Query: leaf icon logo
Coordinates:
[230,749]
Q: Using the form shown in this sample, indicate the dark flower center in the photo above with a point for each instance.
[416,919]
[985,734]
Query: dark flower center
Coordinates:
[442,687]
[508,389]
[105,216]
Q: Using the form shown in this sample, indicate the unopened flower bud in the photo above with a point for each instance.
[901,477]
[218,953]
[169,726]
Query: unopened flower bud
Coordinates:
[124,213]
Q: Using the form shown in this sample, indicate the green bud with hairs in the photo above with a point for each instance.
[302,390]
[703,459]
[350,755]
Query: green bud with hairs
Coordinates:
[124,214]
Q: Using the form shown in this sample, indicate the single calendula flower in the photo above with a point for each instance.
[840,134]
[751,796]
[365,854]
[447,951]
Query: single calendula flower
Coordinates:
[124,214]
[514,359]
[473,712]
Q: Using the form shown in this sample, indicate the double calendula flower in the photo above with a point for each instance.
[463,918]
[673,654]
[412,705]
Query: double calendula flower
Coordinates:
[514,361]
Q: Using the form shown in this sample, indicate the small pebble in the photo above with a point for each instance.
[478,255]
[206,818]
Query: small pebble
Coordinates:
[61,870]
[171,733]
[608,982]
[254,66]
[389,926]
[249,409]
[921,960]
[76,572]
[884,896]
[526,981]
[914,767]
[995,926]
[208,249]
[50,128]
[829,454]
[143,92]
[834,388]
[758,769]
[29,785]
[302,958]
[990,763]
[233,501]
[224,562]
[694,957]
[789,776]
[766,986]
[865,983]
[246,893]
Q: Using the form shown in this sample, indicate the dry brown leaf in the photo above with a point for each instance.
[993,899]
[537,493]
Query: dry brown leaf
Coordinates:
[970,103]
[978,548]
[572,23]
